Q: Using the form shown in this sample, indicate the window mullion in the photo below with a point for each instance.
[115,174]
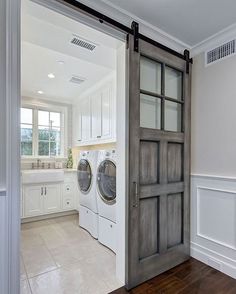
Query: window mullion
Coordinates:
[50,130]
[35,133]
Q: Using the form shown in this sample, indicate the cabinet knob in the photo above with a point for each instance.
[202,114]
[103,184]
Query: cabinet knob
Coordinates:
[99,136]
[68,202]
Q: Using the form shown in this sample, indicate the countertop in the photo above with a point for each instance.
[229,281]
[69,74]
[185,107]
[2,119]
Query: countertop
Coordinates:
[67,170]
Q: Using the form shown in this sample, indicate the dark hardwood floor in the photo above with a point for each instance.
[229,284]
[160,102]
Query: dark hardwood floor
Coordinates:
[191,277]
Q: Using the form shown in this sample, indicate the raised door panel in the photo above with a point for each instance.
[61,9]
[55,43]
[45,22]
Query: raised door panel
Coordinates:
[106,112]
[77,132]
[52,198]
[96,116]
[85,119]
[33,200]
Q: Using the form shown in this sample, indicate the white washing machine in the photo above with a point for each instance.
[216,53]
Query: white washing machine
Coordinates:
[86,175]
[106,198]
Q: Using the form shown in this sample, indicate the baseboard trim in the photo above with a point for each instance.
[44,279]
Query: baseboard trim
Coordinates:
[48,216]
[213,259]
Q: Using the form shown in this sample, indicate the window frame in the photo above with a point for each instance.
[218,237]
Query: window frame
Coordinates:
[63,110]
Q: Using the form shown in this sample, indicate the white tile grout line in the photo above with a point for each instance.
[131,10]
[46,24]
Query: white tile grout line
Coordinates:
[44,273]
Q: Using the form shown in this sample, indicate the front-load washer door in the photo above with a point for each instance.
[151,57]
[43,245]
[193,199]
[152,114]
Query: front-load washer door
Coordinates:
[106,181]
[84,173]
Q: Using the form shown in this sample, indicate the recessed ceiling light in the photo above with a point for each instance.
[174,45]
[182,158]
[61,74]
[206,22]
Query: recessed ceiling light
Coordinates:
[51,76]
[40,92]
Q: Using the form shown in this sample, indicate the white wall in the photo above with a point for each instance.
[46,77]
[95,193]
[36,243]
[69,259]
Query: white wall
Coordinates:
[213,191]
[10,176]
[214,117]
[2,101]
[3,198]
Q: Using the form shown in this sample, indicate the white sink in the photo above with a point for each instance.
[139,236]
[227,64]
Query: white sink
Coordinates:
[42,176]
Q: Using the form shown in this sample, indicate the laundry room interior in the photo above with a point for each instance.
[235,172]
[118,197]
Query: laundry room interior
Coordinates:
[72,225]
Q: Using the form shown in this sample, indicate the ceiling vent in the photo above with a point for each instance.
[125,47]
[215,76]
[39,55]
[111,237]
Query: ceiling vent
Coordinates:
[77,80]
[83,43]
[221,52]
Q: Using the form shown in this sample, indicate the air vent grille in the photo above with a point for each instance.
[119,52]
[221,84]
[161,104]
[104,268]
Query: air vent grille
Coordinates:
[77,80]
[83,43]
[220,52]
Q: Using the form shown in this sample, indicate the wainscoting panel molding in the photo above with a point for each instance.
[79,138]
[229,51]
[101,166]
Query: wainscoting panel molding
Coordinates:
[213,222]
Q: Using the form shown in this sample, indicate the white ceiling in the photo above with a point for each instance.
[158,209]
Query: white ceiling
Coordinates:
[38,62]
[190,21]
[46,38]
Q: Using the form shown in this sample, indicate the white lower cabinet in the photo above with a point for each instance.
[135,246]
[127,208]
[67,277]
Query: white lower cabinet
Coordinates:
[33,200]
[50,198]
[68,198]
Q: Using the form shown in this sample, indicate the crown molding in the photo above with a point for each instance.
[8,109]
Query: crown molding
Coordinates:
[145,28]
[215,40]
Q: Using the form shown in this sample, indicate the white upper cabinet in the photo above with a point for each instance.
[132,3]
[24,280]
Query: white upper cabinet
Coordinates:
[85,120]
[97,113]
[106,118]
[77,125]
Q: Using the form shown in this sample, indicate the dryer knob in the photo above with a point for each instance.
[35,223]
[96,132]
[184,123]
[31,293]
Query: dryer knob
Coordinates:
[107,153]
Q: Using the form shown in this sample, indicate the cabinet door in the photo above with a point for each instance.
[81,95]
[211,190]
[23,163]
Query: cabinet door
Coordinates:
[77,125]
[33,200]
[85,119]
[106,112]
[52,198]
[96,113]
[68,198]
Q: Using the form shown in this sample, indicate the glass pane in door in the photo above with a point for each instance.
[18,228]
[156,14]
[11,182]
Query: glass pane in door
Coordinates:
[150,75]
[173,116]
[173,83]
[150,112]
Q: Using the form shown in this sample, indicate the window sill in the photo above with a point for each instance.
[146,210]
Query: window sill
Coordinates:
[33,158]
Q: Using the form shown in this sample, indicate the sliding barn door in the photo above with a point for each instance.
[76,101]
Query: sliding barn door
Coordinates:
[159,162]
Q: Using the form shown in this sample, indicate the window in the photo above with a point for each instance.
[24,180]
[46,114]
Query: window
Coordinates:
[41,133]
[26,131]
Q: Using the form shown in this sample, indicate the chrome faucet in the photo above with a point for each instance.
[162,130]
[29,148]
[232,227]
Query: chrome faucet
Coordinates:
[38,163]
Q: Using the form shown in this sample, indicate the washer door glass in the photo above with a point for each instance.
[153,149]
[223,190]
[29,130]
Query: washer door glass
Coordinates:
[106,181]
[84,175]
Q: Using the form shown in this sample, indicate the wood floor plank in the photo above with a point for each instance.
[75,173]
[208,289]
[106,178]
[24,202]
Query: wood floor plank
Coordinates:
[191,277]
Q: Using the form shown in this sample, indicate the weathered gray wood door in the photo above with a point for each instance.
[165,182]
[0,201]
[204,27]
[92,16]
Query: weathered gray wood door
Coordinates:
[159,162]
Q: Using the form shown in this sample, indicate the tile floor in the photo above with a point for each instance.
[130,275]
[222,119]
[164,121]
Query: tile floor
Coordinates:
[57,256]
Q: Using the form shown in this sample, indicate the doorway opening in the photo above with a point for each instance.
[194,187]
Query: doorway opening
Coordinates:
[73,155]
